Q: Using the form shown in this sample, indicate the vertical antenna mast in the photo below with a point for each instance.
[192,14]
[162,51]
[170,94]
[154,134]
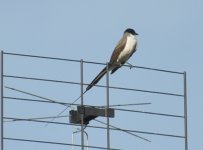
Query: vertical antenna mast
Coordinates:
[107,106]
[185,111]
[82,115]
[1,103]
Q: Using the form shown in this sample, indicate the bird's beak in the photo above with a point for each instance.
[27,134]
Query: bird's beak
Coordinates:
[136,33]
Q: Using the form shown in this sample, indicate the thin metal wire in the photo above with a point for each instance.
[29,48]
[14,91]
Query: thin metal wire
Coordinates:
[34,95]
[120,105]
[43,57]
[40,79]
[145,91]
[36,100]
[154,69]
[78,131]
[36,118]
[121,130]
[98,127]
[64,103]
[132,104]
[91,62]
[119,109]
[56,143]
[150,113]
[111,87]
[48,99]
[82,145]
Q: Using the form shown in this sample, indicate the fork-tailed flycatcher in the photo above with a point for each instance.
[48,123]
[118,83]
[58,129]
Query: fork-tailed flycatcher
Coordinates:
[122,52]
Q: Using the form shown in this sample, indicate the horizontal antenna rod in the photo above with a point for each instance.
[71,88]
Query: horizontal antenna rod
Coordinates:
[123,130]
[111,87]
[56,143]
[98,127]
[91,62]
[66,104]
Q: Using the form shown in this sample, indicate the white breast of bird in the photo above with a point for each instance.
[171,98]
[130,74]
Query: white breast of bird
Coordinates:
[128,49]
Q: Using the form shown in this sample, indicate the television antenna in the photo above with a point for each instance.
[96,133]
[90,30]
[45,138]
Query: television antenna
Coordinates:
[84,113]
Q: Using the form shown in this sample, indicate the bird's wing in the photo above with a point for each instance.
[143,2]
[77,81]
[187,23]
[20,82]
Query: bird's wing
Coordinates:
[119,47]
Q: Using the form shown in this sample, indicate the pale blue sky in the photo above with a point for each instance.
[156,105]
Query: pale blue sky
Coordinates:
[170,37]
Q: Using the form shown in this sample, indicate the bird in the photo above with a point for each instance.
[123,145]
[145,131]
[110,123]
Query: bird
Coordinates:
[122,52]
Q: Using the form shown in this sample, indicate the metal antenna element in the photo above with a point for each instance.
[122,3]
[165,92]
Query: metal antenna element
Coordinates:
[48,99]
[51,100]
[31,94]
[61,103]
[123,130]
[78,131]
[69,105]
[36,118]
[78,97]
[133,104]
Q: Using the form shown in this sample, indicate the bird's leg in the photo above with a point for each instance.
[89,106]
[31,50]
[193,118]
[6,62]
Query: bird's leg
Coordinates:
[130,65]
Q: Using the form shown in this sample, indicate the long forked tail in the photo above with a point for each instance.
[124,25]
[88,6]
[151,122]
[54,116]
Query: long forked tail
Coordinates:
[97,78]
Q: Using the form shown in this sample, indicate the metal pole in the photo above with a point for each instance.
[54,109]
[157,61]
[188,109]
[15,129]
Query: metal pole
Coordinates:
[185,111]
[1,103]
[107,106]
[82,113]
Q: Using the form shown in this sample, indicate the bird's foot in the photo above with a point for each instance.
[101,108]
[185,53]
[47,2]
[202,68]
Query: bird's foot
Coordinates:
[130,65]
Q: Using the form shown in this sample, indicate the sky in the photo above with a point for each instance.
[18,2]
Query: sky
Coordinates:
[170,38]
